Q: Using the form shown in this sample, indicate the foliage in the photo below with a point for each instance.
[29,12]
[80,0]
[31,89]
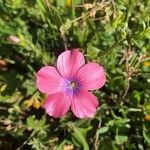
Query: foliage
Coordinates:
[115,34]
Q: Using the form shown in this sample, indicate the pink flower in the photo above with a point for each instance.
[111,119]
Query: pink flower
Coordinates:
[67,85]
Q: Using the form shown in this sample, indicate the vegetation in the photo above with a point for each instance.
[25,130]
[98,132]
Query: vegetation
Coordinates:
[113,33]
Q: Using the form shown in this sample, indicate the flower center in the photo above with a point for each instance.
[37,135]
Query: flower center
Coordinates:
[72,85]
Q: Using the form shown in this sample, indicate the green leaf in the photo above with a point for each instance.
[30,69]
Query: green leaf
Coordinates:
[66,26]
[120,139]
[103,130]
[60,3]
[120,122]
[146,137]
[36,124]
[41,5]
[77,2]
[143,34]
[119,20]
[79,137]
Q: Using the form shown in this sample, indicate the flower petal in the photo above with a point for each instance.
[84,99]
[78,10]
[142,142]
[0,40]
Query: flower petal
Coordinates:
[49,81]
[91,76]
[69,62]
[84,104]
[57,105]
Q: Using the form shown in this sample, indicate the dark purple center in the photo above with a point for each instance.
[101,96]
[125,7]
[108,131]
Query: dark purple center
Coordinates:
[72,87]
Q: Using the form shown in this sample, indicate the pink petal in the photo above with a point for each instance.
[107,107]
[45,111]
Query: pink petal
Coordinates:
[84,104]
[49,81]
[69,62]
[57,105]
[91,76]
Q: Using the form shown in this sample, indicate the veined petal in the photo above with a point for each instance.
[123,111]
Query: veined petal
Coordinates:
[57,105]
[91,76]
[69,62]
[84,104]
[49,81]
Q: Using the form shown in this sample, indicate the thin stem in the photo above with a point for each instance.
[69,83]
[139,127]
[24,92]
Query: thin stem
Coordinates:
[110,49]
[25,142]
[65,42]
[97,141]
[126,89]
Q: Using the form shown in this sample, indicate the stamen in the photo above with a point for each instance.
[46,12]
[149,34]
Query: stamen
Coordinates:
[72,85]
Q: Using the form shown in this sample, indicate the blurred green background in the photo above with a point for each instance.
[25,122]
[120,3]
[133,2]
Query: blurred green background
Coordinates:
[113,33]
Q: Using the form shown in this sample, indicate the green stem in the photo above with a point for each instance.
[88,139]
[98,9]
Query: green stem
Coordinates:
[110,49]
[25,142]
